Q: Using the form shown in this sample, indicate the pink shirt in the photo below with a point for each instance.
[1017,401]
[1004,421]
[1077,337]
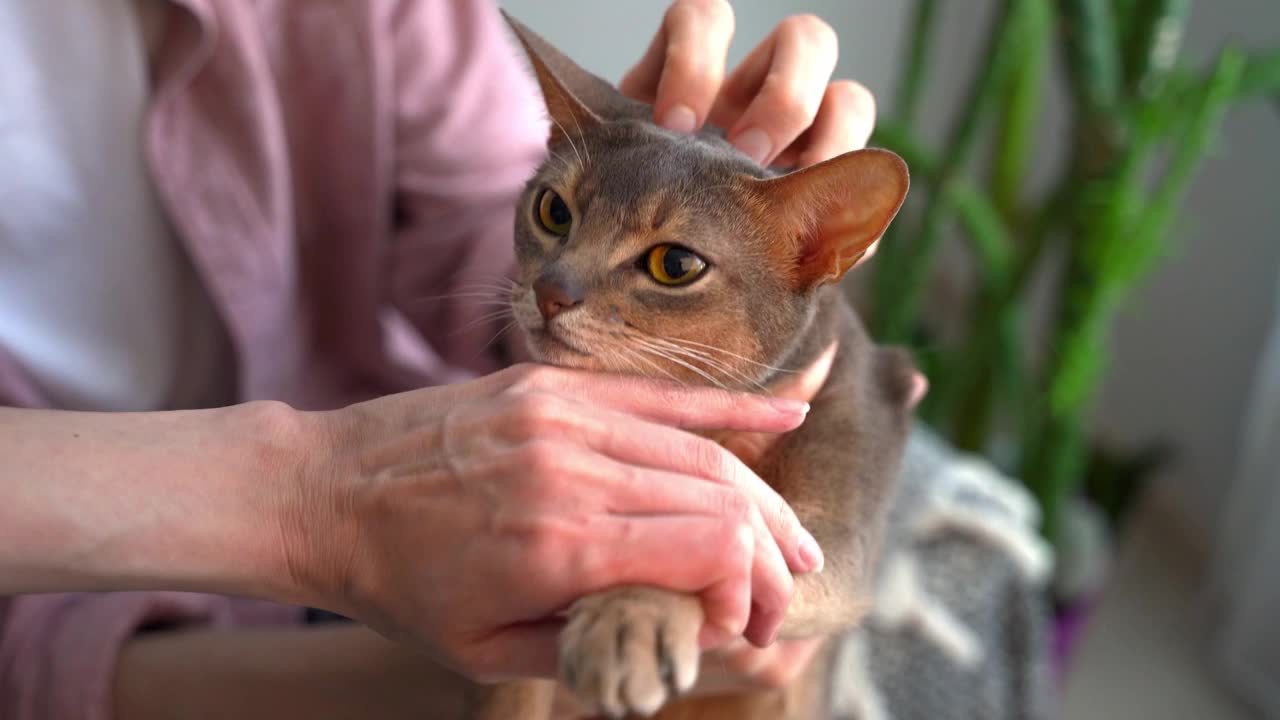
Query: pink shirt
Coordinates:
[332,168]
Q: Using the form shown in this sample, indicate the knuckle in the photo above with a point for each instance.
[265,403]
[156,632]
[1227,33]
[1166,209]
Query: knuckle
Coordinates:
[532,376]
[534,414]
[811,30]
[788,102]
[541,462]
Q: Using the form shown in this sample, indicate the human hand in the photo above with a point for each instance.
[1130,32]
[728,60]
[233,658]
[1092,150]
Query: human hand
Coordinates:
[779,106]
[463,518]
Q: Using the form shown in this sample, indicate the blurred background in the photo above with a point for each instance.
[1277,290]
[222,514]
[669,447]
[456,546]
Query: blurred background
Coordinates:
[1087,268]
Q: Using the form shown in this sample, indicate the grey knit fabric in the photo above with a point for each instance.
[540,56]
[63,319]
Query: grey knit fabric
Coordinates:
[959,626]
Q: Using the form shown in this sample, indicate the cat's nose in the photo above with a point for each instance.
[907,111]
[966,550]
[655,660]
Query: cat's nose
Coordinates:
[553,299]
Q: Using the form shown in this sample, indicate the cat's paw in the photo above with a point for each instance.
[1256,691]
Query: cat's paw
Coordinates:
[630,650]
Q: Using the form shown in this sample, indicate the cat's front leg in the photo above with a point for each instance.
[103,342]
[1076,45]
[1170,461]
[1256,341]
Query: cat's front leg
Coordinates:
[632,649]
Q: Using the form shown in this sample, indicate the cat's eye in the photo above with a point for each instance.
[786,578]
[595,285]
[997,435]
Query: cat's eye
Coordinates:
[553,213]
[674,265]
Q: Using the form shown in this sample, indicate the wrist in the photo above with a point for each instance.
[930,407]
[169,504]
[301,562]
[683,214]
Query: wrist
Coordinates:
[312,514]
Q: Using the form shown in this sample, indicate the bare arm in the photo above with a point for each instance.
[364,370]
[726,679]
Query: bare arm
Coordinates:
[364,510]
[175,500]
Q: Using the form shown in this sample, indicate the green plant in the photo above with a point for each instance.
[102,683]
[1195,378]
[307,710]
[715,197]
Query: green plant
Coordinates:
[1134,111]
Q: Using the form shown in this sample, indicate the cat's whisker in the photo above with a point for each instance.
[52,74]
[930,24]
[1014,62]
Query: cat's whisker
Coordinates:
[487,317]
[645,347]
[732,373]
[736,356]
[417,303]
[655,366]
[714,364]
[491,282]
[503,331]
[631,366]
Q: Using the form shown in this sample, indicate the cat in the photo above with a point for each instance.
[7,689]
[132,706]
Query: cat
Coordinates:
[650,252]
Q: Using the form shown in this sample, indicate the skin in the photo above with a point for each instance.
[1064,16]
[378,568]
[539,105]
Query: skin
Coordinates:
[288,547]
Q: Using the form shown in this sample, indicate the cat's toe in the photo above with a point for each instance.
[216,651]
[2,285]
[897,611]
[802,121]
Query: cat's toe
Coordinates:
[629,652]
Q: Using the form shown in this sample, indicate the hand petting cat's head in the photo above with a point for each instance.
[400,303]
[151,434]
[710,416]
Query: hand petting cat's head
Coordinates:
[651,252]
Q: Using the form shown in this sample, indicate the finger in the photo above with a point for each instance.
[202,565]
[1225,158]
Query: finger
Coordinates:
[698,38]
[634,442]
[683,68]
[629,491]
[661,402]
[786,87]
[705,555]
[919,387]
[805,386]
[843,124]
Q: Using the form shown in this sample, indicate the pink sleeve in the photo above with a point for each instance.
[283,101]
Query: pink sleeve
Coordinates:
[470,131]
[58,651]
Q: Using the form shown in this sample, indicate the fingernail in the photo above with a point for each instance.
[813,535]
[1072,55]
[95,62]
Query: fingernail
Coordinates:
[790,407]
[680,118]
[810,554]
[755,143]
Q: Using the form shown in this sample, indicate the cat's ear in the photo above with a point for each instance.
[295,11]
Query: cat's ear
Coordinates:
[831,213]
[574,97]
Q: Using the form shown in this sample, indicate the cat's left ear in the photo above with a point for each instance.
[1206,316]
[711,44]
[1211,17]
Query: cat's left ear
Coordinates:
[832,212]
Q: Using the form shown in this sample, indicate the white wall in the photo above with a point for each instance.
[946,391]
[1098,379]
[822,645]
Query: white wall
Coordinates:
[1186,348]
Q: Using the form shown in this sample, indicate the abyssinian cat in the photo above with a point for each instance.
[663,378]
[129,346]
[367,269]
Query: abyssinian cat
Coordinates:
[650,252]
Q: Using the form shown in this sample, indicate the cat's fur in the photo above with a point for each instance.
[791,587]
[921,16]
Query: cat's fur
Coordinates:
[766,307]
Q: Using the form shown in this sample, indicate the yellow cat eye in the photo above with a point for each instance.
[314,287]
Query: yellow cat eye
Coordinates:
[553,213]
[674,265]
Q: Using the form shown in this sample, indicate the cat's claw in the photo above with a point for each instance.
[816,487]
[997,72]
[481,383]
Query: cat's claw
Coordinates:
[630,650]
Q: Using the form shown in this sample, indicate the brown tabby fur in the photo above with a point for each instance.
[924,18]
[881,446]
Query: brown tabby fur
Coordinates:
[776,244]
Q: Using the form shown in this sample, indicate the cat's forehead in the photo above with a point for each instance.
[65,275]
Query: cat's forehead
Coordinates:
[623,163]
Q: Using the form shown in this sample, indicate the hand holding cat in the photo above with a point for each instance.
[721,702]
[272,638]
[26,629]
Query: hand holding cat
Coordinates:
[553,481]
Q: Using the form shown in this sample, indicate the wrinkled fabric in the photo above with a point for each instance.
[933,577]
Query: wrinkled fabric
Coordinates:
[343,176]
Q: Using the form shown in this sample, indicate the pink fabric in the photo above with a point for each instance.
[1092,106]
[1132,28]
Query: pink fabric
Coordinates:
[333,168]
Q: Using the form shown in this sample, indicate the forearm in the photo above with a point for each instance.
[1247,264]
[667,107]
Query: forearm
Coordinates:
[132,501]
[316,673]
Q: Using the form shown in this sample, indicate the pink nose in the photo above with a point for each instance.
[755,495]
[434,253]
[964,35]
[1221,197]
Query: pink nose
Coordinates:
[552,299]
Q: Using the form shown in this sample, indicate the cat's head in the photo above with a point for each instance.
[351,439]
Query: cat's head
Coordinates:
[651,252]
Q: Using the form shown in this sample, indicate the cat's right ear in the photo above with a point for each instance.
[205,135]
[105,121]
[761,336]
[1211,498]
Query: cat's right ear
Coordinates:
[567,112]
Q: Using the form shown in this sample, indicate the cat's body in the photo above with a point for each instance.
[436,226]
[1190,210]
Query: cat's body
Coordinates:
[669,255]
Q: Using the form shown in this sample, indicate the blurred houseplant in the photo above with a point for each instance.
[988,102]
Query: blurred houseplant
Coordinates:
[1140,124]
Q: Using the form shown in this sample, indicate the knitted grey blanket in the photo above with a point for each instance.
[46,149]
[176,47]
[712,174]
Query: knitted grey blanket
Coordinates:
[958,628]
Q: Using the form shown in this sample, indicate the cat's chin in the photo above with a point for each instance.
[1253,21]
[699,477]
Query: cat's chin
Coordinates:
[551,350]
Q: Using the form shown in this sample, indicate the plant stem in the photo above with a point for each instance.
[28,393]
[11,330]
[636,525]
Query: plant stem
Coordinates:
[900,317]
[1017,130]
[1153,40]
[917,59]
